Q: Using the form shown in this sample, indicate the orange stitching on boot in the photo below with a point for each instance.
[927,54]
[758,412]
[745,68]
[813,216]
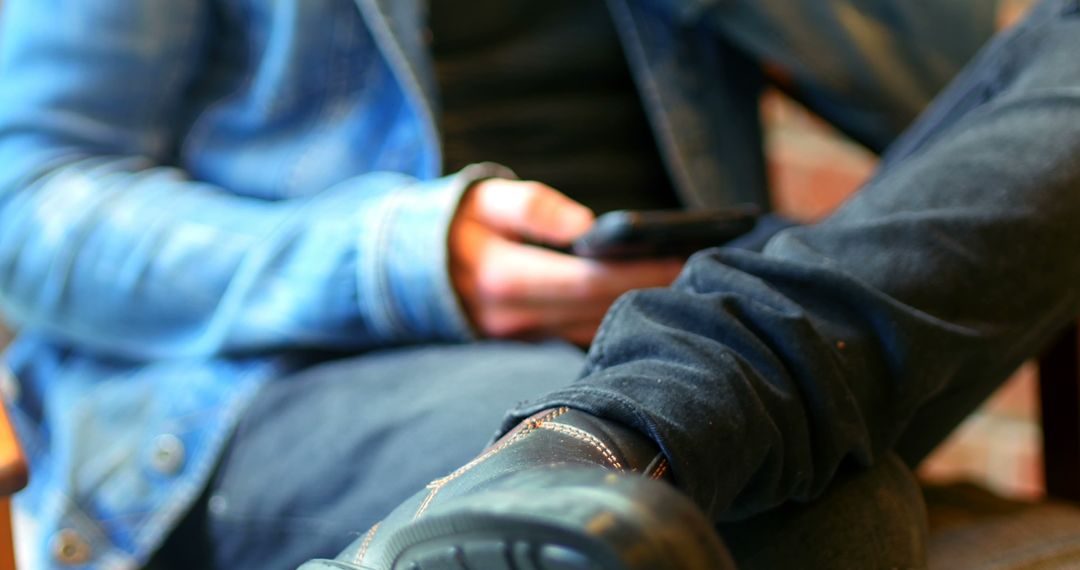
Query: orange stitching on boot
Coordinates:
[526,430]
[435,488]
[548,417]
[661,470]
[367,542]
[438,484]
[588,438]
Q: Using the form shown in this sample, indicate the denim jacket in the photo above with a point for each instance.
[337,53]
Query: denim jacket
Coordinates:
[192,191]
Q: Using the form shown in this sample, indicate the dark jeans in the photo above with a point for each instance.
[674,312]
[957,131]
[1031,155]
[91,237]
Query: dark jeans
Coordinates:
[770,378]
[323,455]
[765,374]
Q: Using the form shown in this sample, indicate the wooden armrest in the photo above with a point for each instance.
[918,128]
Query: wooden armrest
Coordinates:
[13,476]
[1059,387]
[14,472]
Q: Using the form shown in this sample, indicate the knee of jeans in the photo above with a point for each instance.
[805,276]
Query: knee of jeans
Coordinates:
[874,518]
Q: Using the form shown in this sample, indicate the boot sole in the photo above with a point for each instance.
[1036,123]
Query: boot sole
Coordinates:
[519,547]
[563,520]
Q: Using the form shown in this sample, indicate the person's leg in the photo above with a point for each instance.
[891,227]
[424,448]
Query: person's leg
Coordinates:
[763,376]
[868,518]
[329,451]
[882,326]
[869,67]
[872,518]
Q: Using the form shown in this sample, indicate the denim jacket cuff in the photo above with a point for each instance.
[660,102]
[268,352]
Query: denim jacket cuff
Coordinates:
[411,278]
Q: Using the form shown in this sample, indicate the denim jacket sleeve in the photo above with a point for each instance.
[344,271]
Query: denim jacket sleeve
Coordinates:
[105,244]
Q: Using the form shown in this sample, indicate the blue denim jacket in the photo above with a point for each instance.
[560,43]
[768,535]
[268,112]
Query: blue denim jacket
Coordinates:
[192,191]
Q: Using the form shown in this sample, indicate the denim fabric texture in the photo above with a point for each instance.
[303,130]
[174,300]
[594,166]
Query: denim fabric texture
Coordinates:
[193,195]
[316,460]
[765,374]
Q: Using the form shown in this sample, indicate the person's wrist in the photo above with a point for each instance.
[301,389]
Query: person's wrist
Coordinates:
[403,276]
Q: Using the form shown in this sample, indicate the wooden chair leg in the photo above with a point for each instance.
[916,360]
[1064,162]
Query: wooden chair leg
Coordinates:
[1059,387]
[13,476]
[7,543]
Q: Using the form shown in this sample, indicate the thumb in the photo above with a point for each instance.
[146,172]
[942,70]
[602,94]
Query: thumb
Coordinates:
[531,210]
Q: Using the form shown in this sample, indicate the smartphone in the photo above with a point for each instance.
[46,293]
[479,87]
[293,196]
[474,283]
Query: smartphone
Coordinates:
[627,234]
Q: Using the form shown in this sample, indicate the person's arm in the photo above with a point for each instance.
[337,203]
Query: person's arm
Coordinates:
[104,244]
[879,328]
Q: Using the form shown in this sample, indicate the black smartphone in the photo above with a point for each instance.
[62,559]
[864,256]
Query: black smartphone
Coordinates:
[627,234]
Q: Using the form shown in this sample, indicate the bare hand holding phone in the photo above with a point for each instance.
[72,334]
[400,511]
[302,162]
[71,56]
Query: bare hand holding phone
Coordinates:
[513,289]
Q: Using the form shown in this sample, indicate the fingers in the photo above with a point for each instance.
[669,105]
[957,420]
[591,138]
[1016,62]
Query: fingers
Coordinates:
[581,335]
[529,274]
[536,322]
[530,210]
[514,290]
[526,292]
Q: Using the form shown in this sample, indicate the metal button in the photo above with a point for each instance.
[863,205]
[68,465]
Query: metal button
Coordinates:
[168,454]
[217,505]
[70,548]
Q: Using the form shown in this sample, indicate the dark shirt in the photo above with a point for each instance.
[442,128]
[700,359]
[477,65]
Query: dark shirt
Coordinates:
[544,88]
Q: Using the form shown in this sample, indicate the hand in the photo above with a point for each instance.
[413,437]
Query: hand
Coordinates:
[511,289]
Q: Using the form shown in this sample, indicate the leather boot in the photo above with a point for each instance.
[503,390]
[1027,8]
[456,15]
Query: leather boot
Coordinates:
[562,491]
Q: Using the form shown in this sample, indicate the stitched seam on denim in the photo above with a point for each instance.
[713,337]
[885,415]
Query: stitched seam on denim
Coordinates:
[588,438]
[367,542]
[150,533]
[438,484]
[402,70]
[200,129]
[648,85]
[384,317]
[1002,49]
[333,107]
[661,470]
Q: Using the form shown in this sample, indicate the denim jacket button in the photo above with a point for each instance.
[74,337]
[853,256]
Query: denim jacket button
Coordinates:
[168,454]
[70,548]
